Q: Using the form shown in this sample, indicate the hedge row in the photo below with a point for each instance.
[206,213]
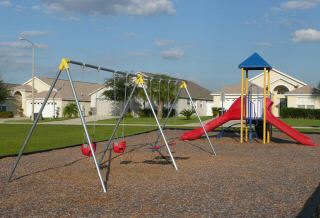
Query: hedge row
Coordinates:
[300,113]
[6,114]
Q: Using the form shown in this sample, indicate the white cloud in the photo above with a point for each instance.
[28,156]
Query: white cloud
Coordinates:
[16,55]
[5,3]
[137,53]
[297,5]
[109,7]
[33,33]
[173,54]
[163,42]
[20,8]
[306,35]
[20,44]
[129,35]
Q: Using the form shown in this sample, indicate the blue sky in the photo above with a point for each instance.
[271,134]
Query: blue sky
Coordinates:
[203,40]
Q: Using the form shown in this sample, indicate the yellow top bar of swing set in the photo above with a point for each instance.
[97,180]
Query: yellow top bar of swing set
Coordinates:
[140,79]
[64,64]
[183,85]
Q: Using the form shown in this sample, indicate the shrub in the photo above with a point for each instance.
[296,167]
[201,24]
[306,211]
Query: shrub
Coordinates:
[300,113]
[70,110]
[6,114]
[187,113]
[215,111]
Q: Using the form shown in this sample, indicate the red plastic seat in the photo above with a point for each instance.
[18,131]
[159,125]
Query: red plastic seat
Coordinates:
[86,151]
[156,147]
[120,147]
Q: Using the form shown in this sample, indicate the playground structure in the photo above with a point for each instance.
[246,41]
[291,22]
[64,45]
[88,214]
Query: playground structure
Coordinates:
[89,149]
[244,108]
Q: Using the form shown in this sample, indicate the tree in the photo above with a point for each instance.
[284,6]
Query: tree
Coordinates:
[187,113]
[160,96]
[116,89]
[71,110]
[4,92]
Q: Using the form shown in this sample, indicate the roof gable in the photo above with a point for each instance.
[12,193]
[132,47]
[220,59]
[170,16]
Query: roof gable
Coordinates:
[254,62]
[282,74]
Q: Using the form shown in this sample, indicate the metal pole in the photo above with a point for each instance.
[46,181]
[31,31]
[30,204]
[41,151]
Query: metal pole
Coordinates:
[86,131]
[168,115]
[264,106]
[195,109]
[241,119]
[160,129]
[117,125]
[269,95]
[33,72]
[246,103]
[26,141]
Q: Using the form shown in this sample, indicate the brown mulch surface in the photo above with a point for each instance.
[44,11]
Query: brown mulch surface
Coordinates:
[242,180]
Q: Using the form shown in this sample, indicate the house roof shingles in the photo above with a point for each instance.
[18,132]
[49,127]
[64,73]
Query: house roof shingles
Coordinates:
[64,90]
[196,92]
[305,90]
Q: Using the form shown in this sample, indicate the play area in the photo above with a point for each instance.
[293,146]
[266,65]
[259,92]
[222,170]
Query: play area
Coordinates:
[263,167]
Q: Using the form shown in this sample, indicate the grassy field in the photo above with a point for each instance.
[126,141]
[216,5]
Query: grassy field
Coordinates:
[302,122]
[44,120]
[151,120]
[48,137]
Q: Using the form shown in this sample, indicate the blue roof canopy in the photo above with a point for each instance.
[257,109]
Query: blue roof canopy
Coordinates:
[254,62]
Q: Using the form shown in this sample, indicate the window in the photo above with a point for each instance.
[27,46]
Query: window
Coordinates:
[201,104]
[281,89]
[3,108]
[188,102]
[306,102]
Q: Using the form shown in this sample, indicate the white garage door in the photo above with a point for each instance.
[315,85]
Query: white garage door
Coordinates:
[48,111]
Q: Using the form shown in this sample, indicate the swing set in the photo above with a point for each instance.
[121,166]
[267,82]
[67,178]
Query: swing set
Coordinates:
[138,81]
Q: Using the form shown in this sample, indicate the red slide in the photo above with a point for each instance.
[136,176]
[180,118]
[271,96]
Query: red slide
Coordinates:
[234,114]
[293,133]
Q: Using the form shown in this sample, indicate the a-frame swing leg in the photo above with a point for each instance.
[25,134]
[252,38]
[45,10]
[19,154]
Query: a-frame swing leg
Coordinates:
[123,113]
[168,115]
[26,141]
[86,131]
[141,83]
[184,85]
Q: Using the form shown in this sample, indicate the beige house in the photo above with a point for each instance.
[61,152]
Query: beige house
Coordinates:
[91,98]
[200,95]
[59,98]
[306,97]
[286,91]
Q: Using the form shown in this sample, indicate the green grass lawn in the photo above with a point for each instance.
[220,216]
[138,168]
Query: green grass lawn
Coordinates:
[151,120]
[302,122]
[48,137]
[44,120]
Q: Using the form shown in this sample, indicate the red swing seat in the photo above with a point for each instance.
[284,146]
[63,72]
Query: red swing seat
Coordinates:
[86,151]
[120,147]
[155,148]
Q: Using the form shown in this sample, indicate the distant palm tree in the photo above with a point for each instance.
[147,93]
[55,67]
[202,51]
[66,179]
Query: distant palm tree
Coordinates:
[70,110]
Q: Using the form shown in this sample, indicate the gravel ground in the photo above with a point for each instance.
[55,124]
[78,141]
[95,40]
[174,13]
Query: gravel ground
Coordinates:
[274,180]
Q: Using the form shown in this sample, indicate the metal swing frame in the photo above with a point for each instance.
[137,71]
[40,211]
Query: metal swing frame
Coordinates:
[139,82]
[64,66]
[184,86]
